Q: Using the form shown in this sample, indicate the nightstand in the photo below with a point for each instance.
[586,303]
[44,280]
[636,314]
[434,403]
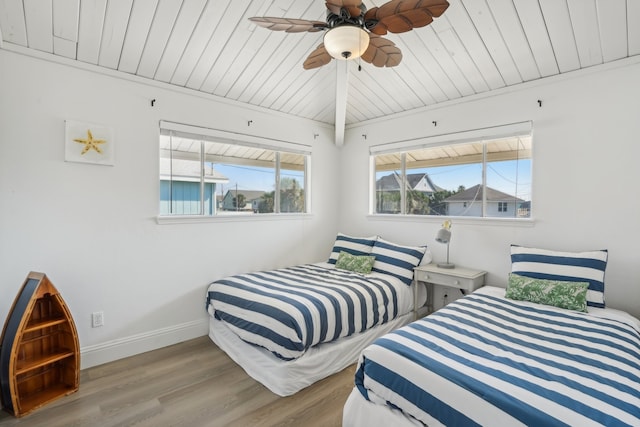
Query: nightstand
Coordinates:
[465,279]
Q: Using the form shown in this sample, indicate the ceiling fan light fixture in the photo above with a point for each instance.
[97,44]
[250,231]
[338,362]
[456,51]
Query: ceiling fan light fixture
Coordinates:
[346,42]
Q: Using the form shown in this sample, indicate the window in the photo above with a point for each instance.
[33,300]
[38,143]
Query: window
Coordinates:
[212,176]
[475,177]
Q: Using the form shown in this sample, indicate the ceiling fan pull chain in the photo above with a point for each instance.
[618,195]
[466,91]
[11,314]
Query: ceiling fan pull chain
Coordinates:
[360,57]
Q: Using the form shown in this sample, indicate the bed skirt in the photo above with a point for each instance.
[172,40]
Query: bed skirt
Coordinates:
[358,411]
[285,378]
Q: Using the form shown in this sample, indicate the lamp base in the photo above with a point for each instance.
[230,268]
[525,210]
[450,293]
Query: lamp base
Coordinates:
[446,265]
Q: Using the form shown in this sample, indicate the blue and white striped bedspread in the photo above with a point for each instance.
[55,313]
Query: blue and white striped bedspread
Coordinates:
[292,309]
[487,360]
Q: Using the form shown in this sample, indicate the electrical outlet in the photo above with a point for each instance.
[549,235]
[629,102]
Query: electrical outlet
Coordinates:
[97,319]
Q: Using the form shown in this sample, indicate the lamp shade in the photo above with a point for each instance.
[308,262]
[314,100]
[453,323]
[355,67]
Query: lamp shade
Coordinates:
[443,236]
[346,42]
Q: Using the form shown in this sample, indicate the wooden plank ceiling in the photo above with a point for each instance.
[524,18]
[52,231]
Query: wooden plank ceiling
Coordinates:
[210,46]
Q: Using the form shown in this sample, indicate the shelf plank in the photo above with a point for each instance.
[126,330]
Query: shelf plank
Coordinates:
[27,365]
[36,400]
[44,324]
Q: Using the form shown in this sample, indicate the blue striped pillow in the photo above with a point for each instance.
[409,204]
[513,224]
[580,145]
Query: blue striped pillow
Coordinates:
[396,260]
[566,266]
[357,246]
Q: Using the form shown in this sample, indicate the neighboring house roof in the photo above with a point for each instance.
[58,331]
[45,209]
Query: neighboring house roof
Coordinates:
[388,182]
[187,170]
[248,194]
[475,193]
[391,182]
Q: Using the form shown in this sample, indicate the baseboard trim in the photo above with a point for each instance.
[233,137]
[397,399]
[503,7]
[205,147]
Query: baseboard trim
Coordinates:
[109,351]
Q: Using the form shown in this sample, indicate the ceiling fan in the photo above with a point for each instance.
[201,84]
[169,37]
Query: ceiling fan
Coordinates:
[353,31]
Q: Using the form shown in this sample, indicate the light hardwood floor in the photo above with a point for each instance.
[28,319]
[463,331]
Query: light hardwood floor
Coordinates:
[188,384]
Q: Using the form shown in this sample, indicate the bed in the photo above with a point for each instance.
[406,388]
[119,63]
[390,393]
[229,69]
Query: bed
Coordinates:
[502,357]
[290,327]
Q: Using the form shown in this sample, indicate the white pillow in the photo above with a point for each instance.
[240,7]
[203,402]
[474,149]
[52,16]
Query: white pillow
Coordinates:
[427,257]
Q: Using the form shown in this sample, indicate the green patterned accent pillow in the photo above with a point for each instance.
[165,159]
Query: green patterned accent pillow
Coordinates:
[569,295]
[357,263]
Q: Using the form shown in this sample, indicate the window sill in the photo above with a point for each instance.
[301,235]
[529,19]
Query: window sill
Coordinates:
[196,219]
[506,222]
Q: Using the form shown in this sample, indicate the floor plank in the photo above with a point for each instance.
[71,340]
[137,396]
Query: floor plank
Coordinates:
[193,383]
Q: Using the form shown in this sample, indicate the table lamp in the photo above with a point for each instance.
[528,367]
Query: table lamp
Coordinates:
[444,236]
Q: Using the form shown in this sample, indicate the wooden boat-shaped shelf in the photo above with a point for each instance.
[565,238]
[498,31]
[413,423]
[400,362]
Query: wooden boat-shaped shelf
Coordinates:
[40,355]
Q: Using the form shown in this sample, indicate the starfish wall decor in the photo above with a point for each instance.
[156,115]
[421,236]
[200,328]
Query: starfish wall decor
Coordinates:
[88,143]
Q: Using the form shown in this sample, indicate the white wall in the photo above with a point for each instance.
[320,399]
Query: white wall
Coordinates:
[585,175]
[92,229]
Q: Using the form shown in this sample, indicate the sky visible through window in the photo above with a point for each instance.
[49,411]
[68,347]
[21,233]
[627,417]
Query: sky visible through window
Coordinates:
[501,176]
[253,177]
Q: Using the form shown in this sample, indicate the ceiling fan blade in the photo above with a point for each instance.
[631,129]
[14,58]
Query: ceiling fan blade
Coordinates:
[399,16]
[382,52]
[317,58]
[352,7]
[289,25]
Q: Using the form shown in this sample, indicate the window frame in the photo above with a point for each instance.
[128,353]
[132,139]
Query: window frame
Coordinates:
[484,136]
[278,147]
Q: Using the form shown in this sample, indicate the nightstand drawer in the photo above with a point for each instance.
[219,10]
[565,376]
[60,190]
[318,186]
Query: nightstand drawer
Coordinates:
[440,279]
